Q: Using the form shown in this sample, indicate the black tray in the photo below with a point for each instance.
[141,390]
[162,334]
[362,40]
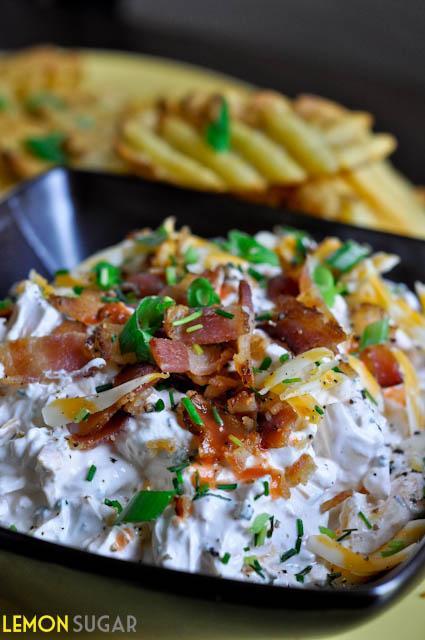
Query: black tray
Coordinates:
[55,221]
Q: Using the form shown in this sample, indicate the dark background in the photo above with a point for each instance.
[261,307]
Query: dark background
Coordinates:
[368,54]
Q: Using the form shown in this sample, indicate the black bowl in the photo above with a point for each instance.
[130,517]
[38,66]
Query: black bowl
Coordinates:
[54,222]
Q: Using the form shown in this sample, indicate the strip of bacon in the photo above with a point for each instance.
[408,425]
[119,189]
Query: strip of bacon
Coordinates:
[36,359]
[84,307]
[106,432]
[301,328]
[243,358]
[213,328]
[382,364]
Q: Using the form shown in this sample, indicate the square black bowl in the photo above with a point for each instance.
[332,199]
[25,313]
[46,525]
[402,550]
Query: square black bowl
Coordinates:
[54,222]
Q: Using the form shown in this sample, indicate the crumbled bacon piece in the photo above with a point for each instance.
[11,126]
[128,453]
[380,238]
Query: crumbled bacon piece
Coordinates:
[282,285]
[218,385]
[115,312]
[243,402]
[69,326]
[84,307]
[175,357]
[335,501]
[214,328]
[276,429]
[382,364]
[300,471]
[34,359]
[144,284]
[105,341]
[301,328]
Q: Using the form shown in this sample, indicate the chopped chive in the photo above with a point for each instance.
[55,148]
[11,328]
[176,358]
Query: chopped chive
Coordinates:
[90,473]
[104,387]
[171,398]
[319,410]
[252,562]
[109,299]
[256,275]
[265,364]
[227,487]
[264,316]
[217,417]
[78,289]
[288,554]
[393,547]
[266,491]
[291,380]
[225,558]
[61,272]
[369,396]
[217,133]
[192,316]
[13,528]
[337,370]
[115,504]
[171,275]
[192,411]
[365,520]
[328,532]
[346,533]
[284,357]
[300,528]
[81,415]
[224,314]
[235,440]
[299,577]
[194,327]
[197,349]
[159,405]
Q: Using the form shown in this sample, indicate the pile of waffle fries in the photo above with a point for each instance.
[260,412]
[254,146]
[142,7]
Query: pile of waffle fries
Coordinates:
[308,154]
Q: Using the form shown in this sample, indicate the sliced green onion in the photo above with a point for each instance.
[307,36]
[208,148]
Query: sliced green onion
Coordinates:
[323,278]
[224,314]
[217,417]
[81,415]
[171,398]
[284,357]
[375,333]
[107,275]
[142,325]
[265,364]
[153,239]
[104,387]
[217,133]
[257,276]
[159,405]
[192,316]
[235,440]
[146,506]
[114,504]
[192,412]
[48,148]
[328,532]
[90,473]
[191,256]
[393,547]
[347,256]
[365,520]
[201,293]
[259,528]
[171,275]
[225,558]
[245,246]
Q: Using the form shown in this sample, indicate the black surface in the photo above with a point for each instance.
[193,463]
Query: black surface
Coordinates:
[96,210]
[368,54]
